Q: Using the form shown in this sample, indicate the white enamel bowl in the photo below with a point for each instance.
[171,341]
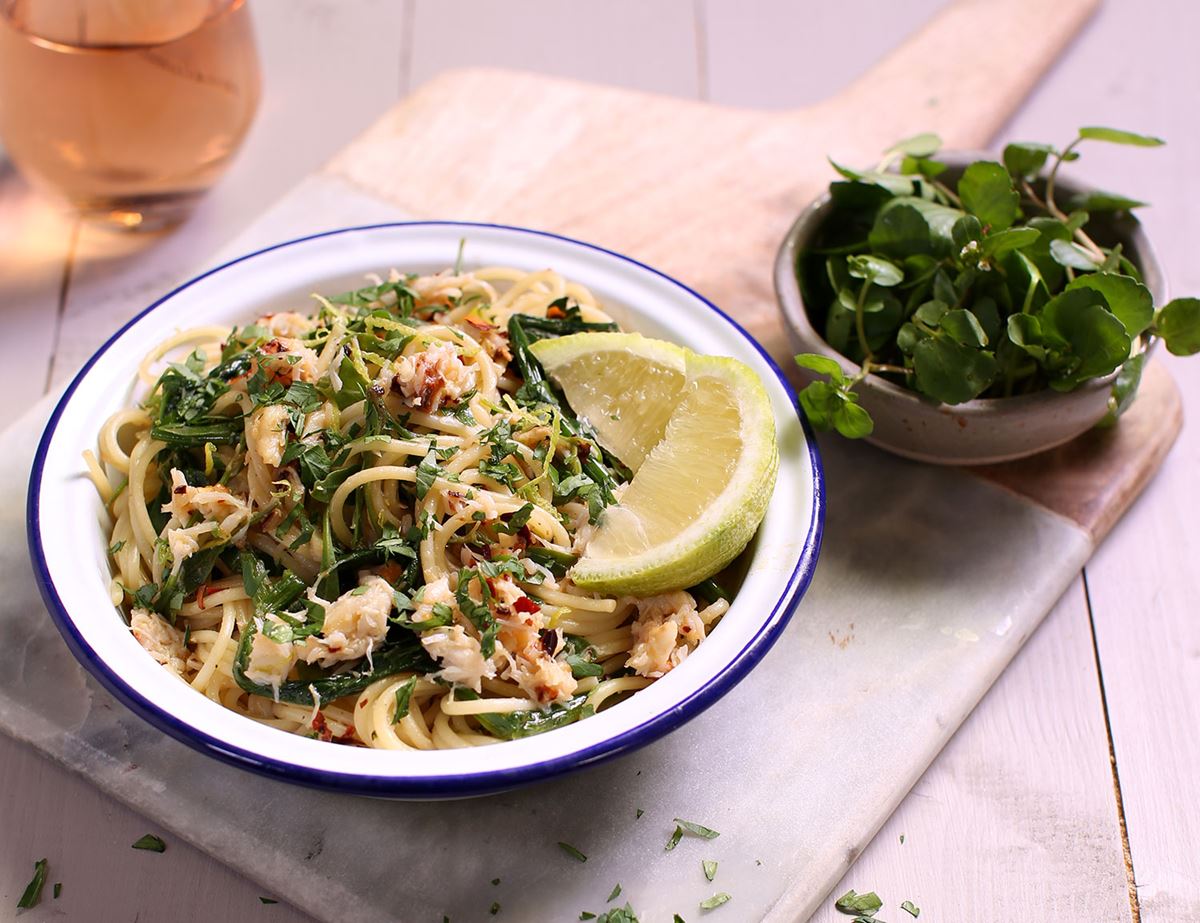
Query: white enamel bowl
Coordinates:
[67,541]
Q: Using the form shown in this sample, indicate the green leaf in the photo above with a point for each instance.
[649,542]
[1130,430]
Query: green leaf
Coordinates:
[1070,254]
[675,838]
[939,219]
[1178,323]
[966,230]
[572,851]
[151,843]
[715,901]
[427,472]
[403,698]
[1098,341]
[875,269]
[822,365]
[33,891]
[616,892]
[925,144]
[854,904]
[852,421]
[1117,136]
[1025,159]
[911,908]
[931,312]
[819,400]
[952,373]
[900,230]
[710,868]
[1104,202]
[987,191]
[1025,331]
[1127,298]
[1124,389]
[895,184]
[697,829]
[964,327]
[1001,242]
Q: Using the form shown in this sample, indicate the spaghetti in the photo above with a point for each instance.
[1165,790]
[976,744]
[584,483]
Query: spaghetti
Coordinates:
[358,524]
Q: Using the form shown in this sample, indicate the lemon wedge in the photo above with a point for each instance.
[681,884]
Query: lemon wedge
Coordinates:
[699,434]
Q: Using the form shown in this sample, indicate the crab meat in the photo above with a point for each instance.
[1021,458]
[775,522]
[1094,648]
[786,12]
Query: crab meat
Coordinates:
[183,543]
[432,594]
[270,661]
[666,629]
[266,434]
[431,378]
[354,623]
[530,665]
[287,359]
[459,655]
[164,643]
[214,504]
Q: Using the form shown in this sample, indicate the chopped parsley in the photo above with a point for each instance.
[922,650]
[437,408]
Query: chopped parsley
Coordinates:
[33,891]
[910,907]
[115,547]
[427,472]
[856,904]
[586,915]
[638,814]
[675,838]
[403,696]
[268,900]
[689,827]
[616,892]
[57,889]
[572,851]
[715,901]
[618,915]
[495,908]
[151,842]
[710,868]
[495,881]
[902,839]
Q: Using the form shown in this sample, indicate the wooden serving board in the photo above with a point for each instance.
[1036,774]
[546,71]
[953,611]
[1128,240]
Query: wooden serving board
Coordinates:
[706,193]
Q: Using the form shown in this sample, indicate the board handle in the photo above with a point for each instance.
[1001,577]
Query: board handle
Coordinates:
[962,75]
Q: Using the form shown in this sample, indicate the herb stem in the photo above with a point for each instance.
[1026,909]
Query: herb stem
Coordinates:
[860,322]
[947,192]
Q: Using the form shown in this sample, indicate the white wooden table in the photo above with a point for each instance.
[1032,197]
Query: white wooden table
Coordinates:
[1073,791]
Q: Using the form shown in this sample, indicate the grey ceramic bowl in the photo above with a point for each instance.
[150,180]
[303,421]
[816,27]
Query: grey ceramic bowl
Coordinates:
[977,432]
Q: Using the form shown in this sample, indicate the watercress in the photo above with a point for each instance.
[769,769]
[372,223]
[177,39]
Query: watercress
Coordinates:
[988,286]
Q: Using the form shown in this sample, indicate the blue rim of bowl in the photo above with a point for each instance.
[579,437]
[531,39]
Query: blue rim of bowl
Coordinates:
[448,786]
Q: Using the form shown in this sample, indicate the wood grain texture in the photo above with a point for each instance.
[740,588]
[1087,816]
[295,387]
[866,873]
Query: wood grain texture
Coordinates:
[1094,479]
[1143,580]
[1023,789]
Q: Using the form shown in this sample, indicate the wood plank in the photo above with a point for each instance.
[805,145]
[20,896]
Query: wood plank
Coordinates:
[797,54]
[1016,819]
[48,812]
[1143,580]
[1090,479]
[629,43]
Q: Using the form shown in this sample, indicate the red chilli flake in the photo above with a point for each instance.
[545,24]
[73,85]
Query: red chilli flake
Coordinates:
[555,311]
[322,729]
[200,594]
[525,604]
